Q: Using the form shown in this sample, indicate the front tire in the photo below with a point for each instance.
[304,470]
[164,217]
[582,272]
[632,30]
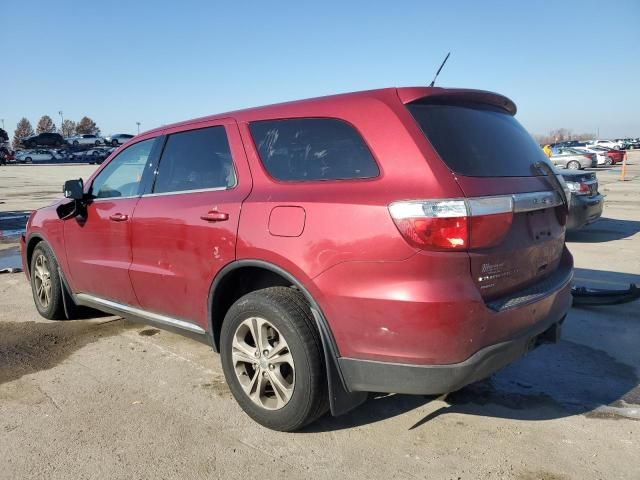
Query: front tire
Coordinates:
[573,165]
[272,359]
[46,285]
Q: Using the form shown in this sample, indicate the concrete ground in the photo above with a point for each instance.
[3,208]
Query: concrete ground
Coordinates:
[109,398]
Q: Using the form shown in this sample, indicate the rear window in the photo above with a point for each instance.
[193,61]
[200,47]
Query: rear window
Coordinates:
[307,149]
[478,140]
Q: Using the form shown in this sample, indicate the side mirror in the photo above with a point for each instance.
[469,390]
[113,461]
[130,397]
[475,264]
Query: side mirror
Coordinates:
[74,189]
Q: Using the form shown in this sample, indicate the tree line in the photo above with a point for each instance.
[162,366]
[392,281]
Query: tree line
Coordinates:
[562,135]
[68,128]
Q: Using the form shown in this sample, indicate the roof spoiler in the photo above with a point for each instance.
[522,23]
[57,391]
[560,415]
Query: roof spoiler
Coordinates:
[412,94]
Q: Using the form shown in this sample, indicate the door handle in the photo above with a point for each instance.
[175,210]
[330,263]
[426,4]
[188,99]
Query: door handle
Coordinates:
[119,217]
[215,216]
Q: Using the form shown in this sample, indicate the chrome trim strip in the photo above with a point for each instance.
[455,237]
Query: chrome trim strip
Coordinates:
[111,199]
[215,189]
[527,202]
[154,317]
[479,206]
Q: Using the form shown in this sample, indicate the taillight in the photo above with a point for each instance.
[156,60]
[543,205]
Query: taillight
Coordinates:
[453,224]
[578,188]
[433,224]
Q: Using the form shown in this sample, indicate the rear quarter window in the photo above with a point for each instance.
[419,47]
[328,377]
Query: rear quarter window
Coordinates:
[308,149]
[478,140]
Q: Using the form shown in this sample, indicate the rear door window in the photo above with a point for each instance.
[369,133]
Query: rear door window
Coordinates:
[478,140]
[308,149]
[196,160]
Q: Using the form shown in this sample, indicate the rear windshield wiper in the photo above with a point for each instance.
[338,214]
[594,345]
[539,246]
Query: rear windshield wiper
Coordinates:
[546,169]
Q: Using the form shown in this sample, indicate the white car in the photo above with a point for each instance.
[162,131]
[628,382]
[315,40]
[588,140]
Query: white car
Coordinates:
[601,155]
[604,143]
[33,156]
[86,139]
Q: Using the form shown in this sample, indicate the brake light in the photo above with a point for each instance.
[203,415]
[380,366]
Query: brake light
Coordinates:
[488,230]
[578,188]
[453,224]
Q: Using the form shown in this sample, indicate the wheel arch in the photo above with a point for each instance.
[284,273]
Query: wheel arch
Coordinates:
[33,240]
[227,287]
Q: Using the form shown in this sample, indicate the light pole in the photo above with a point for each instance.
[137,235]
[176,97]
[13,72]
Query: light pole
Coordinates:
[2,123]
[138,123]
[61,121]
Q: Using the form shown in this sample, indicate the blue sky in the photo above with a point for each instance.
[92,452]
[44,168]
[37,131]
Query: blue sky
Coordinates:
[572,64]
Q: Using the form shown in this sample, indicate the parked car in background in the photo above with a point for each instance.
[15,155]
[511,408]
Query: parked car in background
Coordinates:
[615,155]
[86,139]
[6,155]
[605,143]
[572,159]
[586,203]
[43,140]
[93,155]
[117,139]
[568,143]
[601,154]
[323,256]
[630,144]
[35,156]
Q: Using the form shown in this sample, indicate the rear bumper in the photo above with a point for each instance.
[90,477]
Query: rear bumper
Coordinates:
[427,310]
[373,376]
[584,210]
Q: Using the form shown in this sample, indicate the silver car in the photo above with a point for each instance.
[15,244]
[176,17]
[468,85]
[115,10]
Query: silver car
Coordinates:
[86,139]
[117,139]
[34,156]
[572,159]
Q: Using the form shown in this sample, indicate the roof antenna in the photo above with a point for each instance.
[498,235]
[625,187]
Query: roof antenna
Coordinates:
[438,72]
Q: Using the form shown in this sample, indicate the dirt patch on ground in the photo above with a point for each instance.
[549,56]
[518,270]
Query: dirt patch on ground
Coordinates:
[28,347]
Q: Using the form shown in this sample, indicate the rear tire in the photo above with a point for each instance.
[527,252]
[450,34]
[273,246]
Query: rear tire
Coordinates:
[272,359]
[46,285]
[573,165]
[608,162]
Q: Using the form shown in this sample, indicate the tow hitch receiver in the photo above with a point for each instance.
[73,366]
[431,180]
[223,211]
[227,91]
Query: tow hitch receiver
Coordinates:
[595,296]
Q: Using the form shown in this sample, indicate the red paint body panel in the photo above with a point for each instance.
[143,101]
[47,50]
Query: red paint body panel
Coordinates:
[287,221]
[177,254]
[400,312]
[383,299]
[99,251]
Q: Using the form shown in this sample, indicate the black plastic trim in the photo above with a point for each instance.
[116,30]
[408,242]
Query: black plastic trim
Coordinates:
[374,376]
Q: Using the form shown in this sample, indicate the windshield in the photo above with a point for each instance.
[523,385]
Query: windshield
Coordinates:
[478,140]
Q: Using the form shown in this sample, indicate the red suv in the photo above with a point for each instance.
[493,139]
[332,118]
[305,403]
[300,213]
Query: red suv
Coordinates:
[404,240]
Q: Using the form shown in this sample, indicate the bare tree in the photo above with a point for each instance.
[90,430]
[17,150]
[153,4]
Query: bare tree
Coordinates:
[23,129]
[45,125]
[68,128]
[561,135]
[87,126]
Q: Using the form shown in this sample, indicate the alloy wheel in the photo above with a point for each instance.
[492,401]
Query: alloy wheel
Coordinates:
[42,281]
[263,363]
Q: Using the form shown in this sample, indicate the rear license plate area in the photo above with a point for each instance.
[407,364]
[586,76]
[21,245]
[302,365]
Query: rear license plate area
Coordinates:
[539,224]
